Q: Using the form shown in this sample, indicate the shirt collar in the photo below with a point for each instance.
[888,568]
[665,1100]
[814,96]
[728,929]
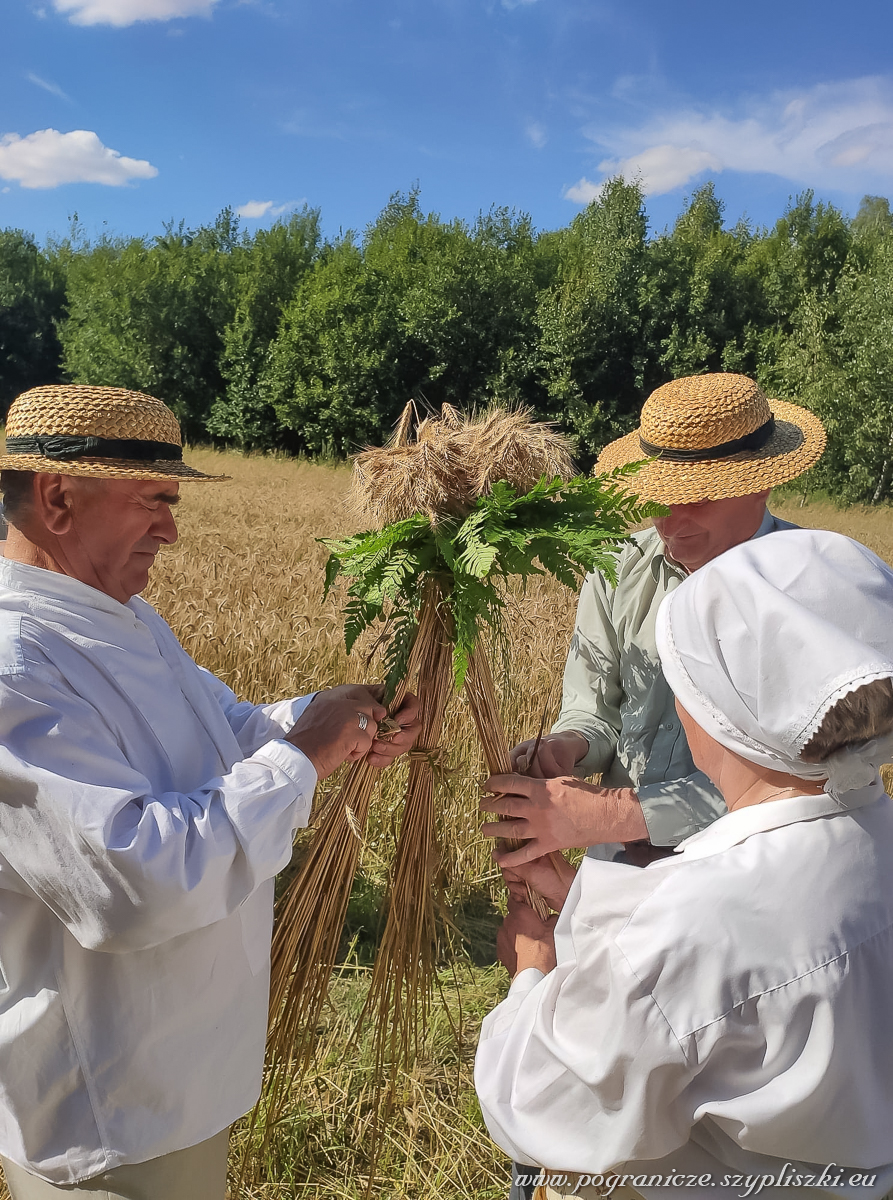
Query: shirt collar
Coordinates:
[56,588]
[767,525]
[736,827]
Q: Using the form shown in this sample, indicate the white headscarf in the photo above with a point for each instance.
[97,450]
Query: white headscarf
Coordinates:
[761,642]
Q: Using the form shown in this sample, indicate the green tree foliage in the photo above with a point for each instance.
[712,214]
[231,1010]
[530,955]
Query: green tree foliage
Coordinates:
[267,271]
[701,301]
[277,340]
[833,347]
[32,299]
[841,356]
[151,316]
[864,436]
[873,220]
[468,297]
[798,265]
[335,355]
[440,312]
[590,322]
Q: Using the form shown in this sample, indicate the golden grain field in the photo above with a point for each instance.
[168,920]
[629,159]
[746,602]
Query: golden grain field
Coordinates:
[243,591]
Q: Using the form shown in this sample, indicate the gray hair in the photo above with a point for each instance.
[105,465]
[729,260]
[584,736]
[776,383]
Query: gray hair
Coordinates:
[16,489]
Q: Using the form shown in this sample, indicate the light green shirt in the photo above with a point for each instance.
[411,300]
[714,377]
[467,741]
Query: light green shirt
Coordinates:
[615,694]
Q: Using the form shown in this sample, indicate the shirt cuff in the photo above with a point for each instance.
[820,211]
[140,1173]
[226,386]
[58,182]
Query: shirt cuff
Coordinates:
[525,981]
[594,760]
[286,712]
[675,810]
[293,763]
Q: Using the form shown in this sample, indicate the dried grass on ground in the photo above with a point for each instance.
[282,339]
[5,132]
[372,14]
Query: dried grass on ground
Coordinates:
[243,590]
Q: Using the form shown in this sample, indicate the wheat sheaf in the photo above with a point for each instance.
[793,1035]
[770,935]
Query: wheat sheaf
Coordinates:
[459,506]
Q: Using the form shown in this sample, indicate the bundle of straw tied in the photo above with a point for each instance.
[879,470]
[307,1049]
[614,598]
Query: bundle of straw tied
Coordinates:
[459,507]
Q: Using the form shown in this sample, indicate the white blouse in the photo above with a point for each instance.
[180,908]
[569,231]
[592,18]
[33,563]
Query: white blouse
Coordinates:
[143,814]
[727,1011]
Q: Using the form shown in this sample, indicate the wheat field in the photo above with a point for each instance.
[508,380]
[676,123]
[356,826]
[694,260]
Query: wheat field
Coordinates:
[242,589]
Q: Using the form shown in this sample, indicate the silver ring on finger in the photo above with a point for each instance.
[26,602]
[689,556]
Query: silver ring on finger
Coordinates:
[364,721]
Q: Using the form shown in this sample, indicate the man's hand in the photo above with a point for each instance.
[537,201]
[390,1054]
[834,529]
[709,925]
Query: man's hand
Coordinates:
[386,748]
[557,754]
[551,876]
[330,730]
[525,941]
[558,814]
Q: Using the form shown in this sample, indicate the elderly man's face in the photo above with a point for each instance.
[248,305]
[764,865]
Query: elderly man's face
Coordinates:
[117,528]
[695,533]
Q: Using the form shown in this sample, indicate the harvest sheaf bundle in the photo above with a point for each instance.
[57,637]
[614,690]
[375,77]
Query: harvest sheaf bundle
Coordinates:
[471,504]
[460,509]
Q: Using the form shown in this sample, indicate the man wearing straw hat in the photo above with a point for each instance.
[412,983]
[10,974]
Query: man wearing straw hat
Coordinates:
[718,446]
[144,814]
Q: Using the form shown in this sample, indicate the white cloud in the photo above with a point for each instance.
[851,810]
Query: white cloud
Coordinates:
[536,134]
[255,209]
[510,4]
[663,168]
[52,88]
[127,12]
[49,158]
[584,191]
[836,135]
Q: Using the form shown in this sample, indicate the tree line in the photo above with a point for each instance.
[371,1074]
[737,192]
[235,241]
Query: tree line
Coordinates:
[280,339]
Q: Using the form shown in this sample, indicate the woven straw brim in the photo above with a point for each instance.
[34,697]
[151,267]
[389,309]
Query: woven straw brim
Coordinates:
[795,446]
[108,468]
[108,413]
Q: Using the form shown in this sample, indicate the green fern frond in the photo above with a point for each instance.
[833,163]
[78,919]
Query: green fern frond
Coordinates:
[565,529]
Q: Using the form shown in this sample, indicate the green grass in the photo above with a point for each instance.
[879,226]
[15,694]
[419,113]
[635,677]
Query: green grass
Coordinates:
[433,1144]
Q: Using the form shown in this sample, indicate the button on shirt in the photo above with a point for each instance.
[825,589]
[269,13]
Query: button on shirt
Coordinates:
[144,814]
[615,694]
[725,1010]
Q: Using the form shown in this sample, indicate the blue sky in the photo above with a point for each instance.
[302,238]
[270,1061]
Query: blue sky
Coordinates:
[136,112]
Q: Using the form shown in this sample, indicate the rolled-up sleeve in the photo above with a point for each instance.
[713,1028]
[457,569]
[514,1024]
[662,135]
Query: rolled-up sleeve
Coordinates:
[678,808]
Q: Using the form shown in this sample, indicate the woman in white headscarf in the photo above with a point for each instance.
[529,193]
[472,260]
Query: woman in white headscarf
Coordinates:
[722,1021]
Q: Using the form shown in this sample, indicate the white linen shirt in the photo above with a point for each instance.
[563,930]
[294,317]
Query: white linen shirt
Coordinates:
[727,1010]
[143,814]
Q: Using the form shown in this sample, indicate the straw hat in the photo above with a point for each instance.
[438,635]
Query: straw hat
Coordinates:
[105,432]
[713,437]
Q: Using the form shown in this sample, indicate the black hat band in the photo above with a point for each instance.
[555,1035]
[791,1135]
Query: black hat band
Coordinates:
[750,441]
[62,448]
